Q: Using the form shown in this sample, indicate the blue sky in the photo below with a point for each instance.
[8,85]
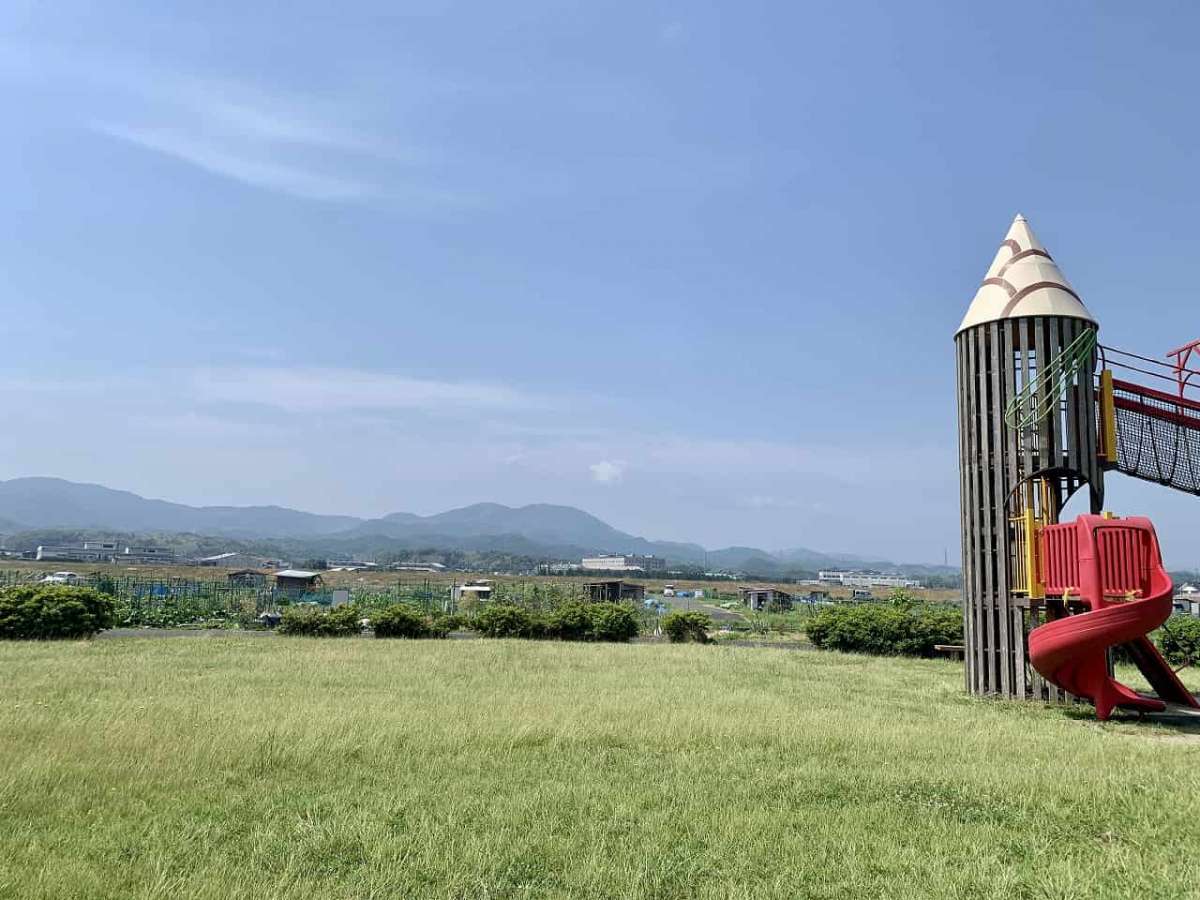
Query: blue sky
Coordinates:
[693,267]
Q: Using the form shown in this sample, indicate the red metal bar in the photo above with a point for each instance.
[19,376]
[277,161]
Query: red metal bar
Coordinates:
[1182,355]
[1131,388]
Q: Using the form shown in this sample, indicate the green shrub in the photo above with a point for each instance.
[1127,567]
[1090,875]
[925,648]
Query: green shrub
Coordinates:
[681,627]
[571,621]
[312,621]
[503,620]
[448,622]
[886,630]
[1179,640]
[400,621]
[45,612]
[612,622]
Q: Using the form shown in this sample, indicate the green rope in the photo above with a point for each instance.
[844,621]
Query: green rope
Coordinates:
[1041,395]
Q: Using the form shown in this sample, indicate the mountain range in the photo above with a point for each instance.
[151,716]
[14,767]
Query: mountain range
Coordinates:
[537,530]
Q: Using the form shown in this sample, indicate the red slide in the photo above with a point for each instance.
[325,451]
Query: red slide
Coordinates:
[1114,566]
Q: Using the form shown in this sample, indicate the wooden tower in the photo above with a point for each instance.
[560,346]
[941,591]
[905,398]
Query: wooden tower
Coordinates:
[1026,354]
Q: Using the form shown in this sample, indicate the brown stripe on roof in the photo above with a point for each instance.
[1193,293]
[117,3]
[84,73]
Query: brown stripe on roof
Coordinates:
[1037,285]
[1022,255]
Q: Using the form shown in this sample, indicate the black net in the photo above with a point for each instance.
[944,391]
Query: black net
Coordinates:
[1158,436]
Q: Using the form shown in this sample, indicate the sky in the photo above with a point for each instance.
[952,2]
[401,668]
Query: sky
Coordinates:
[692,267]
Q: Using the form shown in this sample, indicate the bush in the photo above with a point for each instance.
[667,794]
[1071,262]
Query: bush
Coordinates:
[571,622]
[1179,640]
[886,630]
[682,627]
[312,621]
[46,612]
[450,622]
[400,621]
[502,620]
[613,622]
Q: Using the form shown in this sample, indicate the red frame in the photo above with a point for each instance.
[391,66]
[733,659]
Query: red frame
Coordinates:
[1176,417]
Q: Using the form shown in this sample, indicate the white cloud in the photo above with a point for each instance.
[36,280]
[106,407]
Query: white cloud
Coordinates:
[213,157]
[607,471]
[320,390]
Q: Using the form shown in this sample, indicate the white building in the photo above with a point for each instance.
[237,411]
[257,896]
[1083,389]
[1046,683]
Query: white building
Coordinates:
[867,579]
[88,551]
[626,563]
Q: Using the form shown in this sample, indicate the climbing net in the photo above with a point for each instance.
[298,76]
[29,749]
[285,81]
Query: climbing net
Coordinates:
[1158,436]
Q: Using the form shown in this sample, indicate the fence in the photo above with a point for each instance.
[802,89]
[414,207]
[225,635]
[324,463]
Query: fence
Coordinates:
[165,602]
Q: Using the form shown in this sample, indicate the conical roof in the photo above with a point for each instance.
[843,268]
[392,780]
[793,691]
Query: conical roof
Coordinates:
[1023,280]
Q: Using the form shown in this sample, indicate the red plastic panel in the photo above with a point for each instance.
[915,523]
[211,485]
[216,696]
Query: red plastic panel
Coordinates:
[1060,558]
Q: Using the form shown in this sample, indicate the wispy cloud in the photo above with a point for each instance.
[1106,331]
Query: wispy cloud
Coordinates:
[213,157]
[321,390]
[330,146]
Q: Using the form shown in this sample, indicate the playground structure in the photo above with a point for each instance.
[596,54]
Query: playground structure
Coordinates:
[1041,417]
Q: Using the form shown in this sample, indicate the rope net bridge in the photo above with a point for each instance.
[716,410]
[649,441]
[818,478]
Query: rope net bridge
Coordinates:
[1156,430]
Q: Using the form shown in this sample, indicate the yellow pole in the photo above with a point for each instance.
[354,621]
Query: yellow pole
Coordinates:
[1108,418]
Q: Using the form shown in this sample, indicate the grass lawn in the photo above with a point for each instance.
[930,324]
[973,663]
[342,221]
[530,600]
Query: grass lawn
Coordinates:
[226,768]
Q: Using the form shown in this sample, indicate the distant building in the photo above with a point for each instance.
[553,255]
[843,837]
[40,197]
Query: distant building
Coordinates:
[615,591]
[88,551]
[761,599]
[867,579]
[349,565]
[297,581]
[480,591]
[626,563]
[158,555]
[105,551]
[235,559]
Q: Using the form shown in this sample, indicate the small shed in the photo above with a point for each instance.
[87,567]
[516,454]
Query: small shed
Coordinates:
[760,598]
[615,591]
[297,581]
[247,578]
[478,591]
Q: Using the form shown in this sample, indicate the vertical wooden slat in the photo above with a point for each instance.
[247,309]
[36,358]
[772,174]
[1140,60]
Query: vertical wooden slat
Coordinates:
[1054,347]
[985,506]
[1025,328]
[977,611]
[1018,630]
[1040,458]
[1003,649]
[1088,436]
[1071,329]
[964,512]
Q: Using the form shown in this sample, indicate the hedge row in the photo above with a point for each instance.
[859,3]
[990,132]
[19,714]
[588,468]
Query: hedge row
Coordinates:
[49,611]
[910,630]
[396,621]
[569,622]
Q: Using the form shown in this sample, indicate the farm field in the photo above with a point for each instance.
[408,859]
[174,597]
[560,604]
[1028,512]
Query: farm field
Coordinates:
[383,579]
[288,768]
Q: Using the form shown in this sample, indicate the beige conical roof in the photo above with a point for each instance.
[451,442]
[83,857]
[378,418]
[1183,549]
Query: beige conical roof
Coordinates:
[1023,281]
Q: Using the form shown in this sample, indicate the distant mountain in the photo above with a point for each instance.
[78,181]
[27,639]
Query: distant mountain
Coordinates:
[57,503]
[539,530]
[564,528]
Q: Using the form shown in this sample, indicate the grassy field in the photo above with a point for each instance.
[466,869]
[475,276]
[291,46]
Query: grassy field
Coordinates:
[271,768]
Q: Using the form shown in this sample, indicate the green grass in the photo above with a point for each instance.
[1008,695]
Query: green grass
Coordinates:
[270,768]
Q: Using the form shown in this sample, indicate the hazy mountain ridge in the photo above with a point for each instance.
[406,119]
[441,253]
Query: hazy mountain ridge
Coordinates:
[537,530]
